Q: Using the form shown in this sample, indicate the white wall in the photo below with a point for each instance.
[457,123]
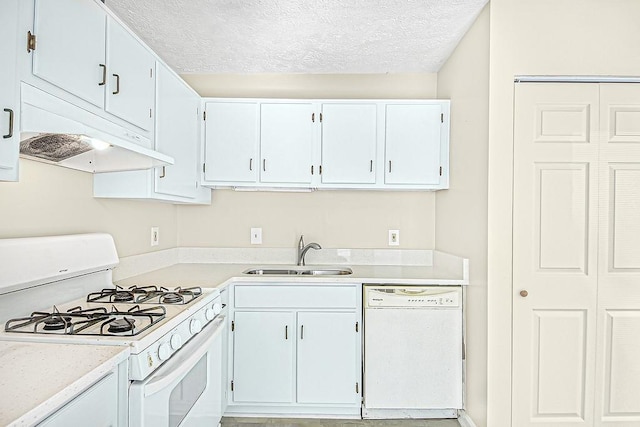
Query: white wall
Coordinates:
[335,219]
[50,200]
[461,211]
[552,37]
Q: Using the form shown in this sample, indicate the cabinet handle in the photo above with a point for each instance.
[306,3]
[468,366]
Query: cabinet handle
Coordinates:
[311,169]
[251,164]
[164,172]
[313,117]
[104,75]
[286,332]
[117,76]
[302,332]
[524,293]
[320,169]
[10,134]
[389,166]
[264,165]
[371,166]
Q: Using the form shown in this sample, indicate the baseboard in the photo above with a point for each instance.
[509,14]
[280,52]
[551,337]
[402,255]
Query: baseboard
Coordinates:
[465,420]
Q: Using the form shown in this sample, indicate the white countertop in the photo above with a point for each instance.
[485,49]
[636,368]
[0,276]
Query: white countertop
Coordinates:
[214,275]
[36,379]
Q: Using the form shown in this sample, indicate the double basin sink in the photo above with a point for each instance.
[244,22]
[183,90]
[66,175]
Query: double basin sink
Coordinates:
[300,271]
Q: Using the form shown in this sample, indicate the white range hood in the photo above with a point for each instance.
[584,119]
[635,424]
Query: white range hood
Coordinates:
[71,135]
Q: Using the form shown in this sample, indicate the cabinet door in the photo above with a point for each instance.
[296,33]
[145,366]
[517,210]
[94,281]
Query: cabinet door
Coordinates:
[131,84]
[412,144]
[555,201]
[286,138]
[231,142]
[70,48]
[9,107]
[263,357]
[176,134]
[348,143]
[328,358]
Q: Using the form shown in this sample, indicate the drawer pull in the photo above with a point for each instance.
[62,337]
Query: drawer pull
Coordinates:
[302,332]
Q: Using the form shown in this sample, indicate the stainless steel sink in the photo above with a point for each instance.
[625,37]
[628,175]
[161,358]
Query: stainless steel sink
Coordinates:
[333,271]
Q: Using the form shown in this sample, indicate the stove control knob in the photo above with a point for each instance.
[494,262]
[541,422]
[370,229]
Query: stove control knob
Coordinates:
[195,326]
[209,314]
[176,341]
[217,308]
[164,351]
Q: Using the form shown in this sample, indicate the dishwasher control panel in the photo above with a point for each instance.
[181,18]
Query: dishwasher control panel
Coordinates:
[381,297]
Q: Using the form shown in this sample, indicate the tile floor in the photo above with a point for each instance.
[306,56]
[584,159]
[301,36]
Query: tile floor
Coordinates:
[299,422]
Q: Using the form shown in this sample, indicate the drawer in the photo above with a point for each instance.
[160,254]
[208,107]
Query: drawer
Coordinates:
[288,296]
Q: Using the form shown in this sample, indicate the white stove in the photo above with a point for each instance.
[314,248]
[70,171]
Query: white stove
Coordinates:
[59,289]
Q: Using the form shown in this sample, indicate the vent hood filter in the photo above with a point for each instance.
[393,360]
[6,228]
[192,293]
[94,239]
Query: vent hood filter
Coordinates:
[55,131]
[54,147]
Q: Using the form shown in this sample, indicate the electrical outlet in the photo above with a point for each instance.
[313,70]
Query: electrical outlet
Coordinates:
[256,236]
[394,237]
[155,236]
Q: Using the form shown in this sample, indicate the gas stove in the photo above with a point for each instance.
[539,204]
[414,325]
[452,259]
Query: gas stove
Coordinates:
[69,297]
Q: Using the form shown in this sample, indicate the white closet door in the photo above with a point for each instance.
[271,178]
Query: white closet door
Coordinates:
[618,343]
[554,254]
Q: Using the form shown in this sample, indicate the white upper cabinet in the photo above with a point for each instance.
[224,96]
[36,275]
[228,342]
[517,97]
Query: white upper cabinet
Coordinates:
[177,123]
[177,133]
[327,144]
[413,144]
[83,51]
[232,138]
[70,47]
[349,143]
[131,83]
[9,106]
[286,136]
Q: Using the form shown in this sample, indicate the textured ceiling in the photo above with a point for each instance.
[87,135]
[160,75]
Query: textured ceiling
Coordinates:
[288,36]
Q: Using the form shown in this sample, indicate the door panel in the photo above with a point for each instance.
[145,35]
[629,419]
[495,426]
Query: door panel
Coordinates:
[559,363]
[412,144]
[263,357]
[131,75]
[286,134]
[232,138]
[554,254]
[327,358]
[176,135]
[71,46]
[348,143]
[9,100]
[618,364]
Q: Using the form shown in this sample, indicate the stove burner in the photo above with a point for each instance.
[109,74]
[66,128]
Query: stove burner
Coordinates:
[123,296]
[56,322]
[122,325]
[171,298]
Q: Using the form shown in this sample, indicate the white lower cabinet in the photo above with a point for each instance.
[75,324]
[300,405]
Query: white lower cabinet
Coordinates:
[328,371]
[263,357]
[9,105]
[296,349]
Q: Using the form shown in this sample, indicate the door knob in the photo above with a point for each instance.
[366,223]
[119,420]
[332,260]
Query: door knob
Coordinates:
[524,293]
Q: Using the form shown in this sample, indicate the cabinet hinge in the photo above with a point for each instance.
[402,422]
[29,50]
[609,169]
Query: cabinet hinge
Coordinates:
[204,115]
[231,385]
[357,388]
[440,170]
[31,42]
[441,117]
[356,326]
[313,117]
[320,117]
[233,326]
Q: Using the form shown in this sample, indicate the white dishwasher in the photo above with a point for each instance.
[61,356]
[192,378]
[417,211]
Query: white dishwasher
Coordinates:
[412,351]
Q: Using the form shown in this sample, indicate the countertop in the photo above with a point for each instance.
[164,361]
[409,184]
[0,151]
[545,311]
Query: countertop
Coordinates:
[36,379]
[217,275]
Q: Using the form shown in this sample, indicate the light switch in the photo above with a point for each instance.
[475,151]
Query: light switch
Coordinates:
[394,237]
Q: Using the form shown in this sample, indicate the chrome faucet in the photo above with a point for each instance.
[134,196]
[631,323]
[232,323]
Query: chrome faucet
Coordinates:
[302,249]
